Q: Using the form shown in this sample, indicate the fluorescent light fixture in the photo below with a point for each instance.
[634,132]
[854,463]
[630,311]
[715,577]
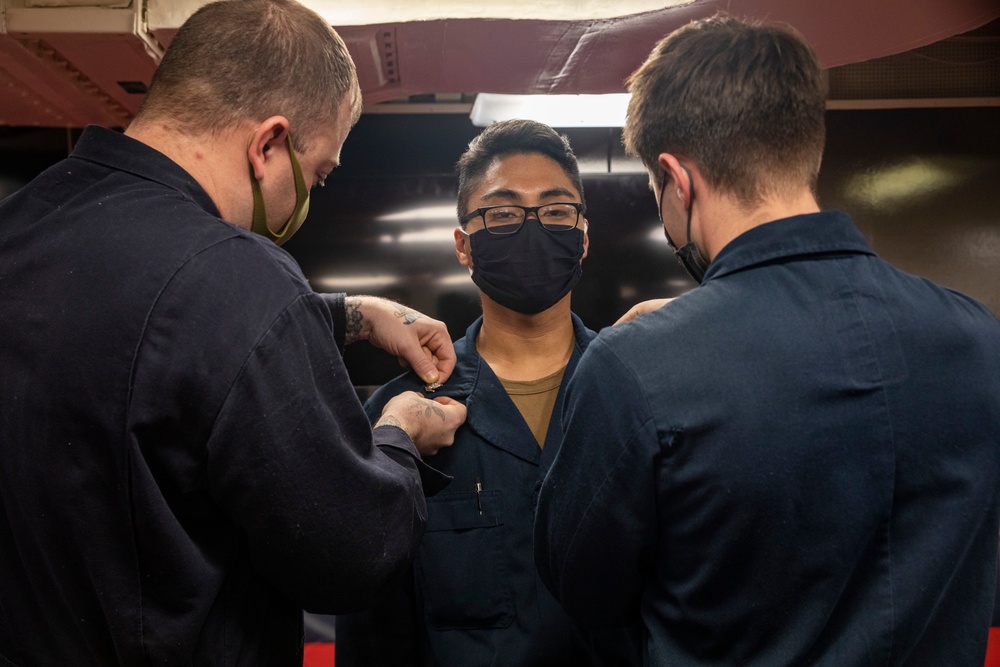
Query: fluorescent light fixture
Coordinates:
[354,282]
[554,110]
[443,212]
[460,279]
[366,12]
[437,235]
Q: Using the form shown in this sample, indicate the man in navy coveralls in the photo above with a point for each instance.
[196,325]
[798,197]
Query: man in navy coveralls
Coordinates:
[184,463]
[797,462]
[474,597]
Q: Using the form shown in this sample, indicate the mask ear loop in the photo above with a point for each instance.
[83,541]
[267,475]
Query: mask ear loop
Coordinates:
[690,207]
[689,254]
[301,195]
[659,213]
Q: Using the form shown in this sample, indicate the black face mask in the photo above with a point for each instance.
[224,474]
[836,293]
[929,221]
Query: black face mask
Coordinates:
[689,256]
[529,270]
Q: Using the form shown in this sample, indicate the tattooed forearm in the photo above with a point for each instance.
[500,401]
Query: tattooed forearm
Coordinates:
[352,307]
[392,420]
[389,420]
[409,316]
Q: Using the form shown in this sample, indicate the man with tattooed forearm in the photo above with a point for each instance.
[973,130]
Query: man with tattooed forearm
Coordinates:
[184,463]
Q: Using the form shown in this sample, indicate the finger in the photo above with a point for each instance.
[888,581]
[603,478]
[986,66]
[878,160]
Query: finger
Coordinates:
[455,409]
[627,317]
[446,400]
[422,363]
[445,366]
[443,352]
[430,354]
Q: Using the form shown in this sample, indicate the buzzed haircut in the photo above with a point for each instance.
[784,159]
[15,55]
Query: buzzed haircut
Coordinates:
[512,137]
[745,100]
[239,60]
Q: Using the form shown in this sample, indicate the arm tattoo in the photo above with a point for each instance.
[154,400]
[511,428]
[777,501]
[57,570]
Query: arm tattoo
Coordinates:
[352,308]
[409,316]
[389,420]
[392,420]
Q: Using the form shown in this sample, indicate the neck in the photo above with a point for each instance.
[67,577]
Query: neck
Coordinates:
[525,347]
[728,218]
[209,161]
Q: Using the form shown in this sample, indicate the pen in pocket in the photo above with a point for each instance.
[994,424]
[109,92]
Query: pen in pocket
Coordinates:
[479,495]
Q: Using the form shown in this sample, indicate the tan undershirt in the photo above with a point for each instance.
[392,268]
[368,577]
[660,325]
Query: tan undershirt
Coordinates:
[534,400]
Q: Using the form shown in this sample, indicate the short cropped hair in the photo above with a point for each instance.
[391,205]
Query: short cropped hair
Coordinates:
[744,100]
[239,60]
[512,137]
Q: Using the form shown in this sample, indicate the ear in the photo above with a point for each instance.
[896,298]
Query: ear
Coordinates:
[463,248]
[586,239]
[267,135]
[677,170]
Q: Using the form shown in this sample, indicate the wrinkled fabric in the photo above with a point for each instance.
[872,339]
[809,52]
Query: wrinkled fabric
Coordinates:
[474,597]
[184,464]
[796,463]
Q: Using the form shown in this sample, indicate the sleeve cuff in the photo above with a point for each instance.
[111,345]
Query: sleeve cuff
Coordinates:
[396,444]
[335,303]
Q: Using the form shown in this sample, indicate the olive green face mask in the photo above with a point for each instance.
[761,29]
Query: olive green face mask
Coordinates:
[299,213]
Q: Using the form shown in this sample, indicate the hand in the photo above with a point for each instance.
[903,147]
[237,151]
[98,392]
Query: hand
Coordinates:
[431,424]
[640,308]
[418,341]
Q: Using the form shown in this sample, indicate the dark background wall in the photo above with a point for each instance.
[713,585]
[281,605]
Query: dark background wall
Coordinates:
[923,186]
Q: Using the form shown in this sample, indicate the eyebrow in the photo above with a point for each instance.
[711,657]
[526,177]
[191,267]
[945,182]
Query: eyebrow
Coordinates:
[504,193]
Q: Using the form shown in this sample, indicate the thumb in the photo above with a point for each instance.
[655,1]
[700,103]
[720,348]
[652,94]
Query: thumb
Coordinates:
[422,364]
[447,400]
[456,408]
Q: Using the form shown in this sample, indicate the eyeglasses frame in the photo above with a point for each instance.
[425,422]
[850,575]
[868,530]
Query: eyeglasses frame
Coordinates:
[528,210]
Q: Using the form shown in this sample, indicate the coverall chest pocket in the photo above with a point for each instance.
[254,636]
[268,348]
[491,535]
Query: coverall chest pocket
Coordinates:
[462,567]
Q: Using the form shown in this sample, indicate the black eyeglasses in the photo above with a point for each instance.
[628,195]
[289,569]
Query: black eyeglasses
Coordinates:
[507,219]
